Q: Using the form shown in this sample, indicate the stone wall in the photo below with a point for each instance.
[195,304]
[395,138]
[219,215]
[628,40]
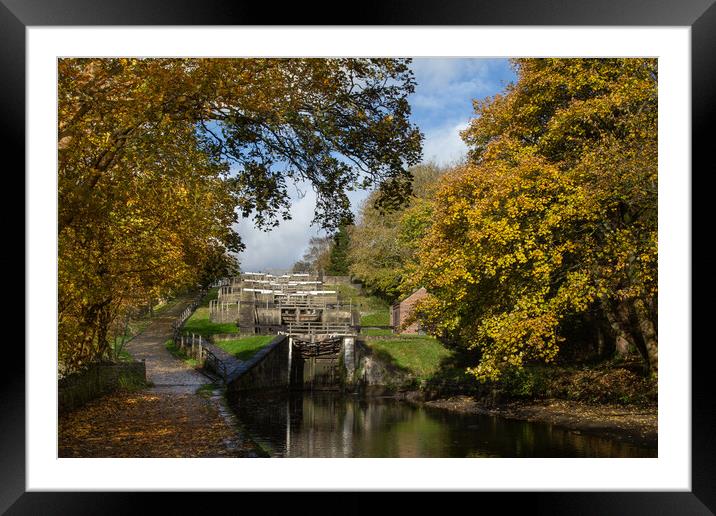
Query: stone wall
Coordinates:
[99,379]
[267,369]
[376,375]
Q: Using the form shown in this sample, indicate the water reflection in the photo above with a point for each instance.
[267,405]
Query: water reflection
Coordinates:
[333,425]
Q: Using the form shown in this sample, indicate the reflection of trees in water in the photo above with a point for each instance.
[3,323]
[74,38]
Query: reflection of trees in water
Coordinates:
[332,425]
[320,431]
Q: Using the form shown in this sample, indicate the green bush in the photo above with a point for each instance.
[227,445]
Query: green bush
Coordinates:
[526,383]
[601,384]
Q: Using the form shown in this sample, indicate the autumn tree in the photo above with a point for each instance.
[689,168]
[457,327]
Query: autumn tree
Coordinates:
[149,228]
[157,155]
[217,264]
[317,256]
[554,215]
[382,244]
[301,266]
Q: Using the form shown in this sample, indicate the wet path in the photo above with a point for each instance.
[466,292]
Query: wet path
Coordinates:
[170,419]
[167,373]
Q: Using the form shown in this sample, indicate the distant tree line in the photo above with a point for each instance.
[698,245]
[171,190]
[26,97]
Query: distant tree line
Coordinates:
[328,254]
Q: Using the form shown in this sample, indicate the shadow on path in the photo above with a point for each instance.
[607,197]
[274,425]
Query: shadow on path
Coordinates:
[166,372]
[167,420]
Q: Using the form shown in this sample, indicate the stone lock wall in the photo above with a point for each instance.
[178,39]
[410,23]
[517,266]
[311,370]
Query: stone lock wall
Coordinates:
[265,370]
[273,368]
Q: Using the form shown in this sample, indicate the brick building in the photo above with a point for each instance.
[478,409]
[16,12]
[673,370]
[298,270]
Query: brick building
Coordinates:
[399,312]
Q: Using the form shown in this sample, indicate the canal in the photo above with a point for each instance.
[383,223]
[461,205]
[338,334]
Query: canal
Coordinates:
[329,424]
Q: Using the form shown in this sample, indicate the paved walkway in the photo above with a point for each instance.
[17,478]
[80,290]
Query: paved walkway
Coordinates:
[166,372]
[168,420]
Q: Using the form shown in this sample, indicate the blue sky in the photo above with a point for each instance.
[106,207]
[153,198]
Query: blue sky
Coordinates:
[441,107]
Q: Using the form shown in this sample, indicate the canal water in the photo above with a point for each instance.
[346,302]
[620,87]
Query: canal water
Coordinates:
[329,424]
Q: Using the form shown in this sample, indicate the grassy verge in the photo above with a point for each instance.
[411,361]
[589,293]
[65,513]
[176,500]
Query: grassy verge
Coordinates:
[419,355]
[374,311]
[211,295]
[245,347]
[178,353]
[376,332]
[381,318]
[200,324]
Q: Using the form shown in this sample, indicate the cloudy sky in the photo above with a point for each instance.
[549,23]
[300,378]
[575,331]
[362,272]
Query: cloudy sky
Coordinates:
[441,107]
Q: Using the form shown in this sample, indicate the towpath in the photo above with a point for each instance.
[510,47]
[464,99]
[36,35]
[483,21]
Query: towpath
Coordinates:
[167,373]
[169,419]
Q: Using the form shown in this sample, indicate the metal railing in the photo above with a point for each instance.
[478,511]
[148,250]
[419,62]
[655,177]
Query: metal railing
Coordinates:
[194,345]
[215,363]
[178,323]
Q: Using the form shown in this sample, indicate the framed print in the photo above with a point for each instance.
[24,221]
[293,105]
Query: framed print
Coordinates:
[202,92]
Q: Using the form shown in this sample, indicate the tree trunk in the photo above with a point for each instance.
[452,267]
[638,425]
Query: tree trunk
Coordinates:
[628,321]
[648,333]
[601,343]
[623,339]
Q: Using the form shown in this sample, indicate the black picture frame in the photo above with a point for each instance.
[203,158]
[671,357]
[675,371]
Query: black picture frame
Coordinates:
[700,15]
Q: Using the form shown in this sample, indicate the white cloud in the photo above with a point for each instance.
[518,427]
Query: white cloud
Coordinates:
[441,72]
[443,145]
[281,247]
[451,83]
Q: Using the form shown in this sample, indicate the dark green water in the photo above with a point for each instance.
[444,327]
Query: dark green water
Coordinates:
[333,425]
